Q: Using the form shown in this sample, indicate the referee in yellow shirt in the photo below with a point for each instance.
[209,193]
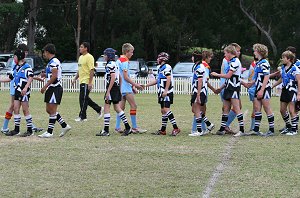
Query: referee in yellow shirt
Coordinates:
[85,74]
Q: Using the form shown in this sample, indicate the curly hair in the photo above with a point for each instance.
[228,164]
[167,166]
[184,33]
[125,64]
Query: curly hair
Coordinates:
[261,49]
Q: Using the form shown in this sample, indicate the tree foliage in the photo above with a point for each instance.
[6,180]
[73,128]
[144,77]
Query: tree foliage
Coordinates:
[153,26]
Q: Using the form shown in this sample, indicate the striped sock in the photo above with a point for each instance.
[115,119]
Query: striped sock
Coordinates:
[106,121]
[172,119]
[295,123]
[164,121]
[29,123]
[17,119]
[286,118]
[60,120]
[271,122]
[240,118]
[205,119]
[258,117]
[223,122]
[199,124]
[52,120]
[124,119]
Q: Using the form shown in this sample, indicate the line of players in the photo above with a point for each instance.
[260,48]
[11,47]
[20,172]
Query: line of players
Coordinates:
[119,88]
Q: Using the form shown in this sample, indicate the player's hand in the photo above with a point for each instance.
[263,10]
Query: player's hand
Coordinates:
[90,87]
[138,86]
[260,94]
[214,74]
[43,74]
[164,94]
[143,86]
[43,90]
[134,90]
[23,92]
[216,91]
[107,95]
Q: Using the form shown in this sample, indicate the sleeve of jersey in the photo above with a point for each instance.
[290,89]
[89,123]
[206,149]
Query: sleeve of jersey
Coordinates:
[111,68]
[297,71]
[124,66]
[233,66]
[53,65]
[199,72]
[265,68]
[167,71]
[29,72]
[91,63]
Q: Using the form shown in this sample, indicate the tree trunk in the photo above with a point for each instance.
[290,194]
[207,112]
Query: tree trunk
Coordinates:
[266,33]
[32,25]
[77,33]
[92,5]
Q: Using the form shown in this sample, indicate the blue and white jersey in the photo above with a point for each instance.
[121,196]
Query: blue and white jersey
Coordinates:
[123,65]
[54,63]
[297,63]
[288,77]
[262,69]
[233,83]
[21,75]
[199,72]
[110,68]
[164,71]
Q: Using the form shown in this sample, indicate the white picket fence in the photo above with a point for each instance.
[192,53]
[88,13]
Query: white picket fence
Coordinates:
[181,85]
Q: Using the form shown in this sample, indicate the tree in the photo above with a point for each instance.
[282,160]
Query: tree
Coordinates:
[32,24]
[11,15]
[267,32]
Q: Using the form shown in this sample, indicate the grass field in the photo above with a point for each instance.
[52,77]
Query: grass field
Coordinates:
[83,165]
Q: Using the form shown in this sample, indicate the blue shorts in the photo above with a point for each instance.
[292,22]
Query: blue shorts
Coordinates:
[251,95]
[125,93]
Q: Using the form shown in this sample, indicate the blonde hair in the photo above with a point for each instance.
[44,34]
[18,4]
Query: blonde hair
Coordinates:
[289,55]
[237,46]
[127,47]
[230,49]
[261,49]
[206,54]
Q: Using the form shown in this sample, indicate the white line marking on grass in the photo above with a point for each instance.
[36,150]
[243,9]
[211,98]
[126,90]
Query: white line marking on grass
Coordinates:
[222,165]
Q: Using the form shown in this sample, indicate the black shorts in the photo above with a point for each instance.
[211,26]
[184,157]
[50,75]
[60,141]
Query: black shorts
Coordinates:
[53,95]
[230,94]
[115,95]
[203,99]
[266,95]
[166,101]
[19,97]
[288,96]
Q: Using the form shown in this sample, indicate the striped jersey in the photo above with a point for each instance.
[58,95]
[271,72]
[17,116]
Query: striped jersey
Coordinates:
[262,69]
[233,83]
[54,63]
[21,74]
[164,71]
[289,77]
[199,72]
[110,68]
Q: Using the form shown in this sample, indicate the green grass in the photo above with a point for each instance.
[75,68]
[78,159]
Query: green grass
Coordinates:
[143,165]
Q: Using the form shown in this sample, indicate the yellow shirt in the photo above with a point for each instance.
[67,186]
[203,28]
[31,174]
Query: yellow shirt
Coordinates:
[85,65]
